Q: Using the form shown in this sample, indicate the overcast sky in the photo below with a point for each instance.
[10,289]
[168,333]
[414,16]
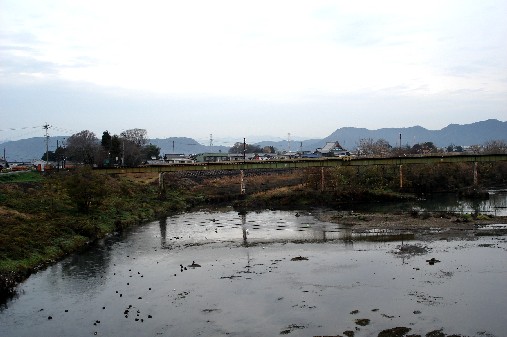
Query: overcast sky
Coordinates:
[238,69]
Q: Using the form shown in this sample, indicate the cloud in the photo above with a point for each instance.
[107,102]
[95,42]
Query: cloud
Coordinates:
[223,61]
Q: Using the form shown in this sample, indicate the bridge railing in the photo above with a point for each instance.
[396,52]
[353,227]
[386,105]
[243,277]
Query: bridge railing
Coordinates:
[307,163]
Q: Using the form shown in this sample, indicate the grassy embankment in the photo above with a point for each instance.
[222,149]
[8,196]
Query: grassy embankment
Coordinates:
[40,222]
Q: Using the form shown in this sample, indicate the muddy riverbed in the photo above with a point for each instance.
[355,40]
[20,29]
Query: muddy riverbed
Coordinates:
[271,273]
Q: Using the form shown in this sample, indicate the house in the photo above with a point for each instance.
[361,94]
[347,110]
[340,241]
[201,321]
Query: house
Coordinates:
[221,157]
[210,157]
[333,149]
[177,158]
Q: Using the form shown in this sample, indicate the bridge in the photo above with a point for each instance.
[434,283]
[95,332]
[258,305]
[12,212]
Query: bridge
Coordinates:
[302,163]
[306,163]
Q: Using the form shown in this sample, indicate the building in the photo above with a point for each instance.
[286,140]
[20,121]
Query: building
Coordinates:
[209,157]
[177,158]
[333,149]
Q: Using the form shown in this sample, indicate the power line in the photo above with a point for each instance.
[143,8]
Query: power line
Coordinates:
[20,128]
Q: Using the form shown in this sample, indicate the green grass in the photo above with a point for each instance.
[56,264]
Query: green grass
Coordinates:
[41,223]
[20,177]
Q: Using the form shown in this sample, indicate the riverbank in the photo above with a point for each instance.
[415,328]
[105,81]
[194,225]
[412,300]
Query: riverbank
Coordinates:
[41,223]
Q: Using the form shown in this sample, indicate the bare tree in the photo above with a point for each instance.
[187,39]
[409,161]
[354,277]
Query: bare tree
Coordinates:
[475,149]
[83,147]
[137,136]
[133,141]
[369,147]
[495,146]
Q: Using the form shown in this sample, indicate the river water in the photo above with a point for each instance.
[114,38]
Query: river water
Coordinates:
[263,274]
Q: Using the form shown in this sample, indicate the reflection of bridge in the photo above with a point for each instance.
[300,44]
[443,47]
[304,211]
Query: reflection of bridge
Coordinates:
[306,163]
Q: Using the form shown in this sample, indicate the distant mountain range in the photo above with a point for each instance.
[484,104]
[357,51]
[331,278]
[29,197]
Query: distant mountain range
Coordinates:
[468,134]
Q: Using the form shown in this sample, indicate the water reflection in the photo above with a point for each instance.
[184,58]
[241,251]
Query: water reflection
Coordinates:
[75,273]
[248,258]
[495,203]
[246,228]
[163,232]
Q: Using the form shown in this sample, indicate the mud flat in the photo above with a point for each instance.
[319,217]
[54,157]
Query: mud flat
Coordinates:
[270,273]
[422,226]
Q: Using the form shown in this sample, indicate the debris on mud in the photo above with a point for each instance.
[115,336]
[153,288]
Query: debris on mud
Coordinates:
[362,321]
[411,250]
[435,333]
[394,332]
[432,261]
[291,328]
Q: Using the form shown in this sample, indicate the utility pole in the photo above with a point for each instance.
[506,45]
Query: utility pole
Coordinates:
[244,149]
[46,127]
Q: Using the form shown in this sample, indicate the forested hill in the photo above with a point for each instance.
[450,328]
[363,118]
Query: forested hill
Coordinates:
[463,135]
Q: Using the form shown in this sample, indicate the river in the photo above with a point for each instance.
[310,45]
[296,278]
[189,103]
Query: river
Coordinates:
[264,273]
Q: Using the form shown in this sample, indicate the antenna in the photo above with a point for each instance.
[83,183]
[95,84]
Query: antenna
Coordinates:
[210,140]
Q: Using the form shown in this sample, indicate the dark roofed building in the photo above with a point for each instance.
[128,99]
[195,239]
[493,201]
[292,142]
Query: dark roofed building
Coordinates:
[333,149]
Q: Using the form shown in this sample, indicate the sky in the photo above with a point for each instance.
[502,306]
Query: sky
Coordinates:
[226,70]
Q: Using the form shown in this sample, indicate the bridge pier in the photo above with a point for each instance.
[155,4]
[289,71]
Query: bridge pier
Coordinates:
[242,182]
[476,177]
[401,177]
[161,185]
[322,179]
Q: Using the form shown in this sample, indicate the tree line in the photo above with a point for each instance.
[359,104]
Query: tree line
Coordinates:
[381,147]
[129,148]
[132,148]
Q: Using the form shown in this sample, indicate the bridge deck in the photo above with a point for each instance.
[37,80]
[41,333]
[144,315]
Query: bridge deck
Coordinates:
[305,163]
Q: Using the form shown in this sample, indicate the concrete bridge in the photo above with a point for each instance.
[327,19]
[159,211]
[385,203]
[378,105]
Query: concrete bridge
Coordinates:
[322,163]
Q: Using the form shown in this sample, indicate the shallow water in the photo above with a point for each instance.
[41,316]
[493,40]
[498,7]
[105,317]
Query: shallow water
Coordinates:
[248,284]
[494,204]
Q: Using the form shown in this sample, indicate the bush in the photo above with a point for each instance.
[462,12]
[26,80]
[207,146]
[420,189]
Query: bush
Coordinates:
[86,188]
